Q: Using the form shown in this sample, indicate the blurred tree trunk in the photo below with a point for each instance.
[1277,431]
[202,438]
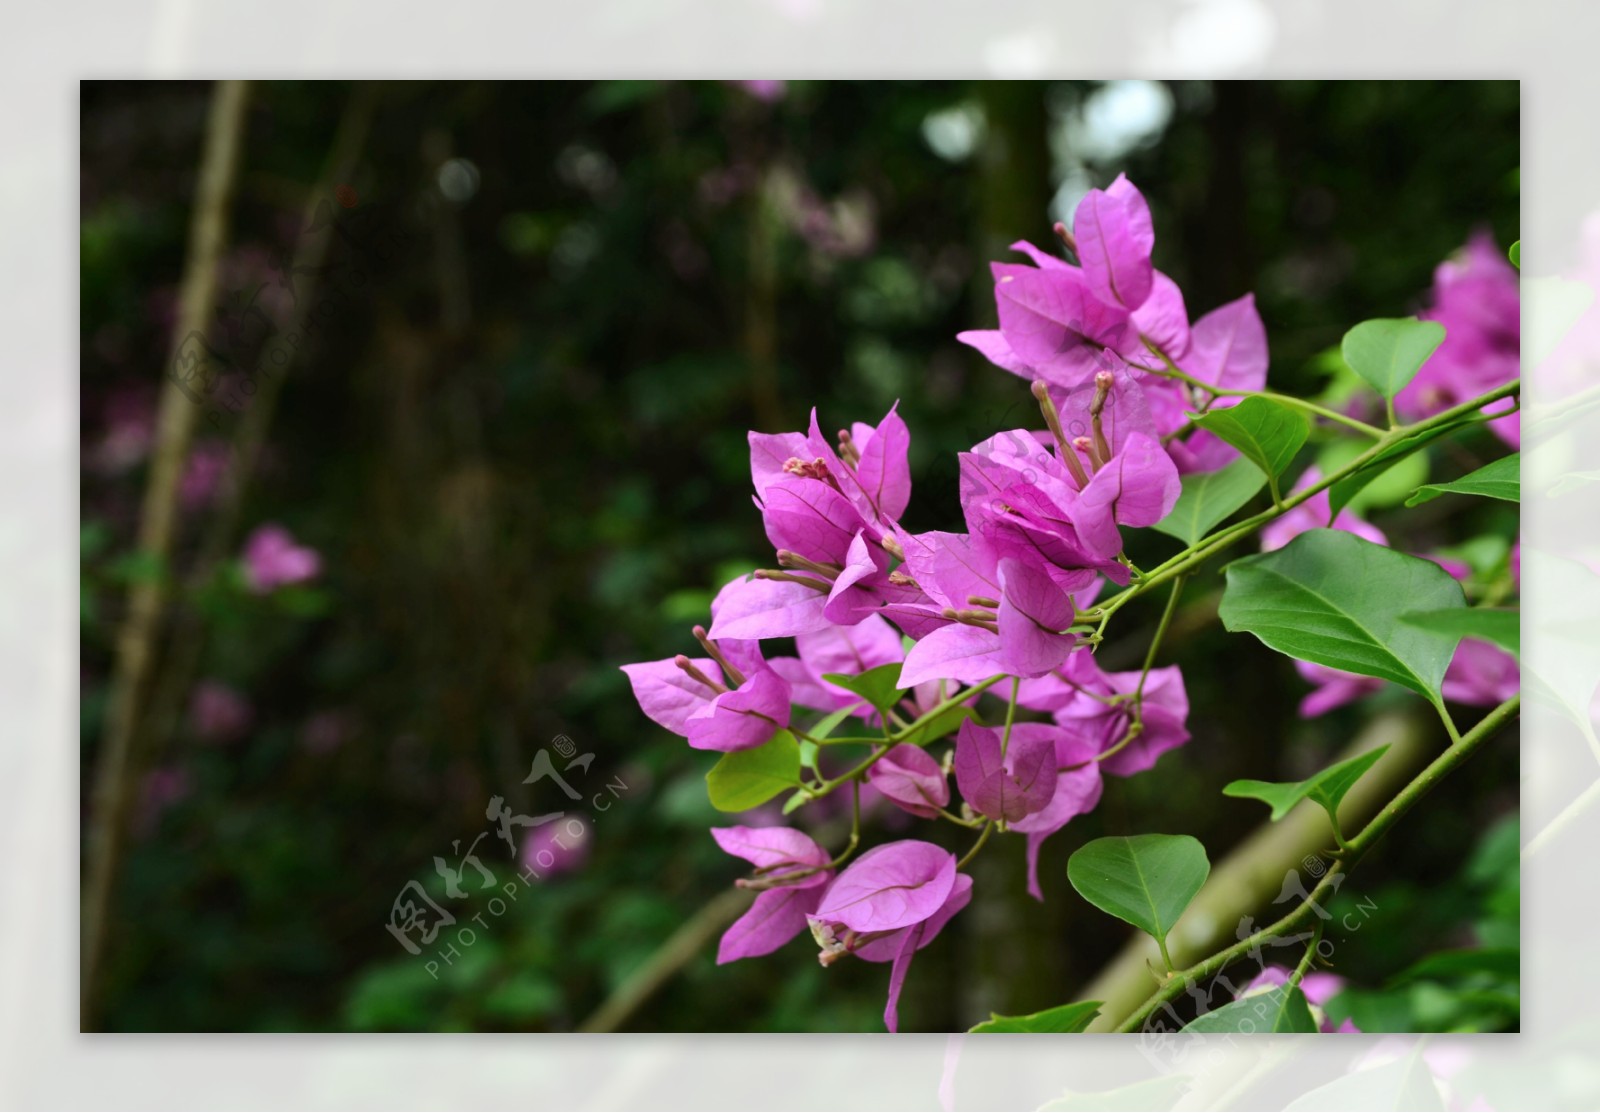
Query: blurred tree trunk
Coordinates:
[116,769]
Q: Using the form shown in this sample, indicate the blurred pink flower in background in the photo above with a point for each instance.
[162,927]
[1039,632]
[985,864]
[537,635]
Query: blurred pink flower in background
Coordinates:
[1477,298]
[1314,514]
[273,559]
[218,713]
[162,787]
[326,731]
[204,474]
[1334,688]
[1481,674]
[769,91]
[557,847]
[130,425]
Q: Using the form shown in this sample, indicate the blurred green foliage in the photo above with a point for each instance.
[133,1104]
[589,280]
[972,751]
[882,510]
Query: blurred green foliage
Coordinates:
[519,446]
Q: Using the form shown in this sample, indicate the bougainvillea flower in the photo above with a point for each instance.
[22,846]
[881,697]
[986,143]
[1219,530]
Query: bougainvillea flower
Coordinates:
[888,905]
[1228,349]
[808,517]
[1333,688]
[748,609]
[890,887]
[1481,675]
[1055,325]
[1096,705]
[272,559]
[846,650]
[911,780]
[1058,320]
[1132,481]
[778,853]
[691,697]
[1315,513]
[1014,623]
[777,916]
[1477,298]
[1021,501]
[1115,237]
[795,866]
[1076,790]
[1011,785]
[898,947]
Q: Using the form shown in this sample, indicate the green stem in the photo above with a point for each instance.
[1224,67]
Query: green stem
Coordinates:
[1352,853]
[1173,371]
[1166,959]
[1207,547]
[1310,956]
[927,717]
[988,829]
[855,827]
[1161,632]
[1011,715]
[1449,723]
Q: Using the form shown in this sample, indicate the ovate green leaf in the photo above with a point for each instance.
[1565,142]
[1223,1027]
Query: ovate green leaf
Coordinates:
[747,779]
[1280,1009]
[1335,599]
[1266,433]
[1327,788]
[1501,479]
[1062,1018]
[1145,880]
[1500,626]
[876,686]
[1389,352]
[1209,497]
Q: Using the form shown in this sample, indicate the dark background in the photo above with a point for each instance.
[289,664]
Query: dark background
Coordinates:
[518,443]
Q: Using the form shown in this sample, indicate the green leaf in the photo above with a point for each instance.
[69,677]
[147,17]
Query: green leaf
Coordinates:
[1500,626]
[93,538]
[1501,479]
[1332,598]
[946,722]
[876,686]
[1490,963]
[1388,352]
[1280,1009]
[1208,498]
[137,566]
[808,754]
[1266,433]
[1062,1018]
[1515,255]
[1326,788]
[1340,494]
[824,727]
[747,779]
[1145,880]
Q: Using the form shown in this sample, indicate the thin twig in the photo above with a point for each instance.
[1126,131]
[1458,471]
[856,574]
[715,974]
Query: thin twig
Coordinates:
[678,951]
[147,597]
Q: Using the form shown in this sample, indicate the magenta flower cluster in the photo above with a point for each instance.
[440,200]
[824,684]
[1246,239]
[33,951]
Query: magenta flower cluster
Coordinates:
[997,605]
[857,589]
